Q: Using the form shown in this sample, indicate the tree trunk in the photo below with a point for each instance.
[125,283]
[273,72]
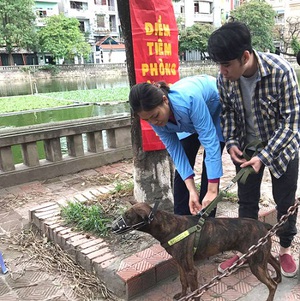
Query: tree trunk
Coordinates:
[154,170]
[10,59]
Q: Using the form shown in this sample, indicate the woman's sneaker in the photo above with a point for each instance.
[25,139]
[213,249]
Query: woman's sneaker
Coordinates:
[287,265]
[228,263]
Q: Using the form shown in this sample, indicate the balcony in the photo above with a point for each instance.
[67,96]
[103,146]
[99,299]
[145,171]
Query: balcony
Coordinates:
[207,18]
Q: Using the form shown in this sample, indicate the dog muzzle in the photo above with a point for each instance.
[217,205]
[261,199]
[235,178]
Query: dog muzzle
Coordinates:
[119,226]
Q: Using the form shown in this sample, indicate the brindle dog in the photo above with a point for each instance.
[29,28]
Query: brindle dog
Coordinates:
[217,235]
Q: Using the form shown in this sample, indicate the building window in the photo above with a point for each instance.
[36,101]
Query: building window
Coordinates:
[205,8]
[81,26]
[78,5]
[196,7]
[112,23]
[100,20]
[41,13]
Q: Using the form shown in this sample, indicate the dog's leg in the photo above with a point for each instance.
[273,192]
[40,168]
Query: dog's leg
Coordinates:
[192,280]
[188,279]
[262,274]
[183,281]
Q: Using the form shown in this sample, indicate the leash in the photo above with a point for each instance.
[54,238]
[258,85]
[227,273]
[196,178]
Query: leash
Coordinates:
[241,176]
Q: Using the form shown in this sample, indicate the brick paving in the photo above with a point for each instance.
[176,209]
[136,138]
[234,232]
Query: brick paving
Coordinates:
[147,275]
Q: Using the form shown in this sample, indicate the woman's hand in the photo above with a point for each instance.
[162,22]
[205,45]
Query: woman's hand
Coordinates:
[212,193]
[194,204]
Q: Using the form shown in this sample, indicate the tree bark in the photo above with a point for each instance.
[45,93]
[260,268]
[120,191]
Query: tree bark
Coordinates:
[154,170]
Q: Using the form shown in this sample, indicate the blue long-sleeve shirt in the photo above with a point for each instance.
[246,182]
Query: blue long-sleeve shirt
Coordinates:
[195,104]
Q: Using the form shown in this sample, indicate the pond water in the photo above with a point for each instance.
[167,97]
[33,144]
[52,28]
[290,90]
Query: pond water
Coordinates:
[61,84]
[71,112]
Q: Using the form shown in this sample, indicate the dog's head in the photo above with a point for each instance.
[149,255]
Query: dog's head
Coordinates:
[136,217]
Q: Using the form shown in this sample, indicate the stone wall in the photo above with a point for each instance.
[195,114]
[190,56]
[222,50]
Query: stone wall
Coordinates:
[27,73]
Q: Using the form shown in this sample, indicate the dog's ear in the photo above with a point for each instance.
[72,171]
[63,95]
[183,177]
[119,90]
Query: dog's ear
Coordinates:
[142,209]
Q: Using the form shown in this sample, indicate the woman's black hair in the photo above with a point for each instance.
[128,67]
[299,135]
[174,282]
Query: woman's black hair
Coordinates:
[146,96]
[229,42]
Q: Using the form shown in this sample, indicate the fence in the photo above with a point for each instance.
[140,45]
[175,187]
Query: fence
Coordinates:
[107,140]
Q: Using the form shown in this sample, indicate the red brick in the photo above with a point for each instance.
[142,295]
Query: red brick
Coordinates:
[165,270]
[140,283]
[128,273]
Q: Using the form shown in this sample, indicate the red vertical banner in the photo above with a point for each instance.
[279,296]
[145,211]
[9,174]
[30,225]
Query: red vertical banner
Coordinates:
[155,51]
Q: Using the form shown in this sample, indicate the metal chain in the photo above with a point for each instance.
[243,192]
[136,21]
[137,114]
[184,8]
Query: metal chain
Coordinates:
[252,250]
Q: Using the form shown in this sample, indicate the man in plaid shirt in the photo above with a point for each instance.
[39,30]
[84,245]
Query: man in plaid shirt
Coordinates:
[260,102]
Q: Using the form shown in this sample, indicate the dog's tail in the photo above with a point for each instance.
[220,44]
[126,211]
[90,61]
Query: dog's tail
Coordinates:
[275,264]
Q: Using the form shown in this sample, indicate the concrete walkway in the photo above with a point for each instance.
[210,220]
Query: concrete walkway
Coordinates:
[28,279]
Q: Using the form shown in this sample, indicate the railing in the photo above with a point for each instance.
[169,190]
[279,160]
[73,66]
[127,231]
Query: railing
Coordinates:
[66,67]
[107,140]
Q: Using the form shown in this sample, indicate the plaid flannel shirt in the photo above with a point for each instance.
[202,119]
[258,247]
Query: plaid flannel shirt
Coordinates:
[276,112]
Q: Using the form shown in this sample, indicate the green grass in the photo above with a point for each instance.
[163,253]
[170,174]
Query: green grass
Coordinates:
[95,217]
[57,99]
[231,196]
[228,196]
[86,218]
[124,187]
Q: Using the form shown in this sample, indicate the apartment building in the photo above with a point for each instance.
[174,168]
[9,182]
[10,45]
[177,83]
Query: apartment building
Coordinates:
[188,12]
[288,13]
[98,20]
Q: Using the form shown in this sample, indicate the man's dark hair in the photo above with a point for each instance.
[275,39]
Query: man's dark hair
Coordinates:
[229,42]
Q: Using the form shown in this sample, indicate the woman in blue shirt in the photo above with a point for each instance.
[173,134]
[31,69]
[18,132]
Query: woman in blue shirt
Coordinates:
[190,105]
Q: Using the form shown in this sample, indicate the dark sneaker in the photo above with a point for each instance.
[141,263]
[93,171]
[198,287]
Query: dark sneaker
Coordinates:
[288,265]
[228,263]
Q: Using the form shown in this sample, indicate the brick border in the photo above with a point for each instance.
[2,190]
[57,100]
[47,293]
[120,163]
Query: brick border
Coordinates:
[128,276]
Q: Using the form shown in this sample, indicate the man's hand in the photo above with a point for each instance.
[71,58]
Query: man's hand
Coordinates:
[236,155]
[254,162]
